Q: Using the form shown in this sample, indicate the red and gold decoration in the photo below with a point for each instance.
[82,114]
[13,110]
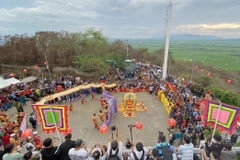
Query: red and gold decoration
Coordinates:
[229,81]
[52,116]
[228,115]
[103,129]
[130,105]
[139,125]
[172,122]
[25,70]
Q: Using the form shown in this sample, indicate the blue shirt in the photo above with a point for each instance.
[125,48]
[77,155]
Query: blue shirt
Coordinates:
[160,146]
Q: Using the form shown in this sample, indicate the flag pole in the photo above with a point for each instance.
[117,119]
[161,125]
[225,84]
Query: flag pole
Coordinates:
[216,122]
[54,121]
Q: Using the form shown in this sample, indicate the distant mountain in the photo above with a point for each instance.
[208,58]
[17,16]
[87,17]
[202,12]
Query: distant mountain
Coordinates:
[189,37]
[193,37]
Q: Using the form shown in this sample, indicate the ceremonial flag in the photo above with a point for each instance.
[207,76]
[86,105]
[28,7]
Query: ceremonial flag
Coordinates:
[52,117]
[228,115]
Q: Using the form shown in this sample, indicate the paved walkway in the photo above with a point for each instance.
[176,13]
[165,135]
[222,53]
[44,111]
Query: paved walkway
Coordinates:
[154,120]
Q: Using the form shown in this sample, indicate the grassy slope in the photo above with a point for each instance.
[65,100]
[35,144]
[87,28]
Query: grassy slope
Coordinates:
[219,53]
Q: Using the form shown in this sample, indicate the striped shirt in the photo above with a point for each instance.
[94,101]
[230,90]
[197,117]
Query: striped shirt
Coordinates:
[187,151]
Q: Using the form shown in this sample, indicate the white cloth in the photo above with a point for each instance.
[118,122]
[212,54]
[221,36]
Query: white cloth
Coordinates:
[80,154]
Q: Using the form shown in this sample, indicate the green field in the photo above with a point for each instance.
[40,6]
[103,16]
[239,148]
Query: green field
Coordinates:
[218,53]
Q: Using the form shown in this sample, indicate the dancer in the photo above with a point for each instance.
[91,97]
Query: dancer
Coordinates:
[106,112]
[101,115]
[83,98]
[102,101]
[94,118]
[93,96]
[70,106]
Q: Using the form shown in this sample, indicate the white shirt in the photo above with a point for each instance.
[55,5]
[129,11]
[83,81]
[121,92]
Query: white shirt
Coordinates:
[80,154]
[187,151]
[138,154]
[120,148]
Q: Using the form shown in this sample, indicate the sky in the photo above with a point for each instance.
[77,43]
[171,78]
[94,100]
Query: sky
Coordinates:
[121,18]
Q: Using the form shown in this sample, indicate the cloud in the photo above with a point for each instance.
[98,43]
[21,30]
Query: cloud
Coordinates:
[44,10]
[222,29]
[121,18]
[209,27]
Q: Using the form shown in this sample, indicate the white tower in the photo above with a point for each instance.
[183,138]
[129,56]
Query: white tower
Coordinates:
[165,61]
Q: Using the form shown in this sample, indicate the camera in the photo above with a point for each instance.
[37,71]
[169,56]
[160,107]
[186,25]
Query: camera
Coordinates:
[21,142]
[113,128]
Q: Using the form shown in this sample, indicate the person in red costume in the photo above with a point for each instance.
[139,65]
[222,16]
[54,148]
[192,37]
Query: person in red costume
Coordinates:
[6,139]
[37,140]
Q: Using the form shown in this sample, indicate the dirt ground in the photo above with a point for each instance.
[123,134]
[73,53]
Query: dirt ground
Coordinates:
[154,120]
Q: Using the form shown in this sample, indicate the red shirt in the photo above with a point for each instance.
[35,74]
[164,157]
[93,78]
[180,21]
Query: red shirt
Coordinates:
[6,140]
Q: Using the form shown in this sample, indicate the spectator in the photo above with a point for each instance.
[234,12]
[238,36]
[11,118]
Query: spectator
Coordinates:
[215,148]
[63,149]
[115,147]
[2,152]
[33,121]
[79,152]
[48,150]
[102,150]
[139,153]
[11,154]
[162,144]
[6,139]
[186,149]
[227,153]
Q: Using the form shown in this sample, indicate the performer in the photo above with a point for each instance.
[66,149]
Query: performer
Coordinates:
[70,106]
[102,101]
[101,115]
[93,96]
[37,140]
[94,118]
[83,98]
[106,112]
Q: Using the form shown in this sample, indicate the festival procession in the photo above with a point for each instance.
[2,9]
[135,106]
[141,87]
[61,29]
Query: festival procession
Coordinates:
[81,95]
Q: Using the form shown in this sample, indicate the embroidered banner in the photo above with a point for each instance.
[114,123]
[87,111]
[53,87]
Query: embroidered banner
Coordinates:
[228,116]
[47,116]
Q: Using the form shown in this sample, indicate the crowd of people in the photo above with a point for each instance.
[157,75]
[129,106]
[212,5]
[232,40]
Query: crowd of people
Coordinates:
[186,135]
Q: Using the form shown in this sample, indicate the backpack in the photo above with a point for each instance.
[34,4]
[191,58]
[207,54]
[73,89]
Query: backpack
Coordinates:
[31,120]
[167,153]
[136,158]
[113,156]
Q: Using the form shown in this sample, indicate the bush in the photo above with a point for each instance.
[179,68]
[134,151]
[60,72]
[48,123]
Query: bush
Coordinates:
[227,97]
[204,81]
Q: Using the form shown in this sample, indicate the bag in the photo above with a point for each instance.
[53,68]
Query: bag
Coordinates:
[167,153]
[31,120]
[136,158]
[113,156]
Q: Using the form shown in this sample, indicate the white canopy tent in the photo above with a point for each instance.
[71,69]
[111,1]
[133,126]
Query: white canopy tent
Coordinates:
[29,79]
[12,81]
[3,83]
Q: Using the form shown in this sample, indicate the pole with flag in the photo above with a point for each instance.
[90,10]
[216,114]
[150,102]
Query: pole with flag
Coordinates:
[216,121]
[54,121]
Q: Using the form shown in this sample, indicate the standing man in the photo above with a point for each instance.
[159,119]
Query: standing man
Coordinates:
[63,149]
[186,149]
[33,121]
